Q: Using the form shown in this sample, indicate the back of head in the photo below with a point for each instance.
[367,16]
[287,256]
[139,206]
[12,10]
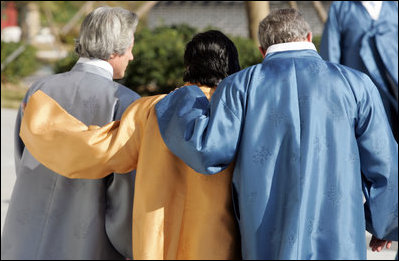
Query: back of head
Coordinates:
[282,26]
[209,58]
[106,31]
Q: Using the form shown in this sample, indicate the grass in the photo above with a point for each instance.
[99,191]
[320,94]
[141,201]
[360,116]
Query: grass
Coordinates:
[12,95]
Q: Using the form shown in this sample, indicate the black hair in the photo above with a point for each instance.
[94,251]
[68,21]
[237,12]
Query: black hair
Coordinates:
[209,58]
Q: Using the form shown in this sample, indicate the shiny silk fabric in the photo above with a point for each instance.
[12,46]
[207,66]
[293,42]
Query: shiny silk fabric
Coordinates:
[352,38]
[177,213]
[302,131]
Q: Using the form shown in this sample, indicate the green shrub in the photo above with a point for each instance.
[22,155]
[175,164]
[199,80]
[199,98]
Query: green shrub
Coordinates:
[248,51]
[158,65]
[158,60]
[65,64]
[62,11]
[24,65]
[316,41]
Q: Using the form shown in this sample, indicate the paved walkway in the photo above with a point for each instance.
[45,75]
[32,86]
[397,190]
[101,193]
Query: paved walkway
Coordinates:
[8,117]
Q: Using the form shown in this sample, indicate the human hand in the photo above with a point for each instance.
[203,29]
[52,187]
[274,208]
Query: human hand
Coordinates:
[378,244]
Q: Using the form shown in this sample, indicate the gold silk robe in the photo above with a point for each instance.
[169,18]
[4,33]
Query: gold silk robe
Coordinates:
[177,212]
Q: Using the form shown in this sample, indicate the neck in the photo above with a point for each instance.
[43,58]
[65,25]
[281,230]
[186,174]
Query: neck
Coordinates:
[290,46]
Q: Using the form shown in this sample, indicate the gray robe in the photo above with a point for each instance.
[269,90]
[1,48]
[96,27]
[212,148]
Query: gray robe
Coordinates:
[53,217]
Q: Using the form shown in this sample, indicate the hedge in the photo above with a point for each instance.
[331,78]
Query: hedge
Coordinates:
[24,65]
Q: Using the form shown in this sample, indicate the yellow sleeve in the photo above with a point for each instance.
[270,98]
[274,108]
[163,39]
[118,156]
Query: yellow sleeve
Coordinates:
[69,147]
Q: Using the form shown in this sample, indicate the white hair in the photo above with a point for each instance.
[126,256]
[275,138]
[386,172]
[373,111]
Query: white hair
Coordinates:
[106,31]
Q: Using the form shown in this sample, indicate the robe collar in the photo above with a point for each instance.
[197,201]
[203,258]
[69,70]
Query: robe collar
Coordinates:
[373,8]
[291,46]
[98,63]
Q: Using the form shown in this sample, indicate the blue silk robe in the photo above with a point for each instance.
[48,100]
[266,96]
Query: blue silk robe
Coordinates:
[307,135]
[352,38]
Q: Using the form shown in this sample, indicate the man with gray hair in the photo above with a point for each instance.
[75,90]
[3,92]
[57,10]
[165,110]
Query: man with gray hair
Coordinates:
[52,217]
[307,137]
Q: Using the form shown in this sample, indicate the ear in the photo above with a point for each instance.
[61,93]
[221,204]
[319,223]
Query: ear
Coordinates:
[112,57]
[262,51]
[309,37]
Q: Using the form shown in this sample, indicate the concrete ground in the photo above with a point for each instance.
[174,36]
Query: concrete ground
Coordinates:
[8,117]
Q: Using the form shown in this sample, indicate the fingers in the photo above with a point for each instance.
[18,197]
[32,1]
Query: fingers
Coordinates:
[378,244]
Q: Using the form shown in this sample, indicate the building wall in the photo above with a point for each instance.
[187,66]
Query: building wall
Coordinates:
[228,16]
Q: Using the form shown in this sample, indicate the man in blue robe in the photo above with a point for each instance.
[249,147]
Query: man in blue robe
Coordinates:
[364,35]
[307,137]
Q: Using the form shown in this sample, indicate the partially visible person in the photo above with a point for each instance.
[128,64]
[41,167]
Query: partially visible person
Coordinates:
[307,136]
[53,217]
[177,213]
[364,35]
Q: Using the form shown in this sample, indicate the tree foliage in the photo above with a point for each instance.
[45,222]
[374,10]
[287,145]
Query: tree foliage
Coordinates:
[158,63]
[317,40]
[25,64]
[65,64]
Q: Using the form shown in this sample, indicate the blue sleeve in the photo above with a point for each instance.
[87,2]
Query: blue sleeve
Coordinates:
[330,48]
[205,135]
[379,162]
[125,97]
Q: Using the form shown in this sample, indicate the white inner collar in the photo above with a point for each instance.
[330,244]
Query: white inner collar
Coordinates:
[290,47]
[373,8]
[97,62]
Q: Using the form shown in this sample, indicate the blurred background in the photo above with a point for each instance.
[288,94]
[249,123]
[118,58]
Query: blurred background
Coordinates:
[37,39]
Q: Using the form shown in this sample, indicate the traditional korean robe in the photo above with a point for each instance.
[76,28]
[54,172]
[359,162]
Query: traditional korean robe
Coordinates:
[53,217]
[352,37]
[177,213]
[307,135]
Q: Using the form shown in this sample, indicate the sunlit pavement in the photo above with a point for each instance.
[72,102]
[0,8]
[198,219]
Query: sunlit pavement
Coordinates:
[8,117]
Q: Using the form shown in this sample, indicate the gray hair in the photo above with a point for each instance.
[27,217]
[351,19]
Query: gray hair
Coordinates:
[106,31]
[282,26]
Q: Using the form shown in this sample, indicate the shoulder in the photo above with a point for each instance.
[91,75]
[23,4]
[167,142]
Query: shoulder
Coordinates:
[360,83]
[350,73]
[342,5]
[242,76]
[143,107]
[393,4]
[45,83]
[247,71]
[149,101]
[124,95]
[342,9]
[123,91]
